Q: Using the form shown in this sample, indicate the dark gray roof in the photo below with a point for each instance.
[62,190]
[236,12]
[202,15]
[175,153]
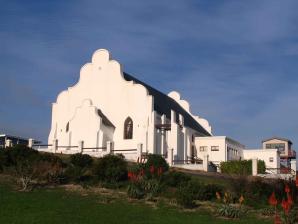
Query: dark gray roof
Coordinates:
[105,120]
[279,138]
[163,104]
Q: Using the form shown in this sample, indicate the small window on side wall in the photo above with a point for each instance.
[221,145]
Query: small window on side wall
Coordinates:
[67,127]
[128,128]
[271,159]
[203,148]
[214,148]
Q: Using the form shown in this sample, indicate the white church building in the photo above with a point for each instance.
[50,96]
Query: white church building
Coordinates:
[109,105]
[109,110]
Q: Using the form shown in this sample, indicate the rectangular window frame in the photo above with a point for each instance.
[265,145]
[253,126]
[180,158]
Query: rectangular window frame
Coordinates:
[203,148]
[215,148]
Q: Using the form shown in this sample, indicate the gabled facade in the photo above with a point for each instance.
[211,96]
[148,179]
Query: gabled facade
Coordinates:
[108,104]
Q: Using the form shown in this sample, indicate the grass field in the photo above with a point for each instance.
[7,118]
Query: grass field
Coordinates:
[61,206]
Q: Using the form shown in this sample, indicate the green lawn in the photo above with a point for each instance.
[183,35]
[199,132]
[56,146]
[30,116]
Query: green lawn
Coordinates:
[60,206]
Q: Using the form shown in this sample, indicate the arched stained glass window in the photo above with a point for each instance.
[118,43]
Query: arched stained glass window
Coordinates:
[128,128]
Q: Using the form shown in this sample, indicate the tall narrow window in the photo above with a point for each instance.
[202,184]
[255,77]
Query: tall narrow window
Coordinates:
[67,127]
[128,128]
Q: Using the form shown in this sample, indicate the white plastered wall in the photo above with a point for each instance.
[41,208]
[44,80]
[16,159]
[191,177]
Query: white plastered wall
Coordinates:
[214,156]
[223,143]
[102,83]
[264,154]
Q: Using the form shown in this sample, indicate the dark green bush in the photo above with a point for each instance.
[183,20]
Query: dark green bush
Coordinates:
[22,162]
[136,168]
[253,189]
[2,159]
[18,154]
[278,186]
[261,167]
[175,179]
[241,167]
[239,185]
[81,160]
[207,192]
[187,193]
[136,190]
[111,169]
[51,169]
[157,161]
[258,190]
[152,187]
[144,187]
[80,168]
[31,167]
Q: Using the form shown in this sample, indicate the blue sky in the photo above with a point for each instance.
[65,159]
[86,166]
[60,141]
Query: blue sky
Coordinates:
[234,61]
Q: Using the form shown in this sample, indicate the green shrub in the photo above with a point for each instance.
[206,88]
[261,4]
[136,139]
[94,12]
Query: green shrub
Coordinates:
[23,163]
[152,187]
[136,190]
[31,167]
[156,161]
[258,190]
[261,167]
[2,159]
[15,155]
[136,168]
[253,189]
[291,217]
[81,160]
[239,185]
[79,169]
[207,192]
[51,169]
[111,169]
[241,167]
[142,184]
[278,187]
[187,193]
[174,178]
[144,187]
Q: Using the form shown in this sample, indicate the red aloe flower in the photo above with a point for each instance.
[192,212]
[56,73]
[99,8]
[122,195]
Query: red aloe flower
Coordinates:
[285,205]
[290,200]
[287,189]
[134,177]
[129,175]
[159,171]
[277,219]
[272,199]
[152,169]
[142,172]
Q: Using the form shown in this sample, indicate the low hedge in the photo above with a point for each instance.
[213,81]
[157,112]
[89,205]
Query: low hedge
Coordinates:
[111,169]
[241,167]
